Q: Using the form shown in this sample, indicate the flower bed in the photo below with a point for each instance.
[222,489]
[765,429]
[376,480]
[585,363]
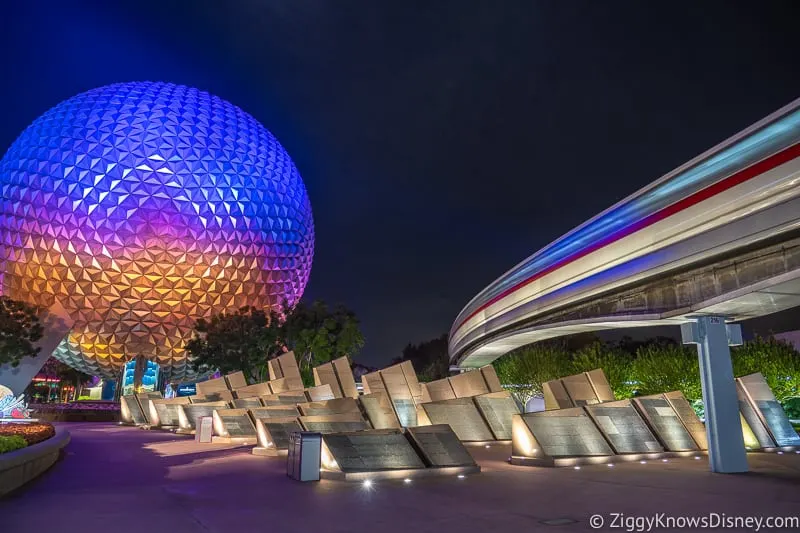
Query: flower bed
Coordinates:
[91,411]
[32,432]
[11,443]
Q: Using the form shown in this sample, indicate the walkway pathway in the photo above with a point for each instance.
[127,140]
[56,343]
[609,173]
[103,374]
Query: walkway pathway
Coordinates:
[124,480]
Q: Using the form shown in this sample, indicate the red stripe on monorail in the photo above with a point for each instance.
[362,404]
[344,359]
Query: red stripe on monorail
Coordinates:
[731,181]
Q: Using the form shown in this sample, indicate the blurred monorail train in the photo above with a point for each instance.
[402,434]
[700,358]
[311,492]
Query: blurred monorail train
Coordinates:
[743,191]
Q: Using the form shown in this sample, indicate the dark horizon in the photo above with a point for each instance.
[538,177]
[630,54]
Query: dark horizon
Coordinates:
[440,142]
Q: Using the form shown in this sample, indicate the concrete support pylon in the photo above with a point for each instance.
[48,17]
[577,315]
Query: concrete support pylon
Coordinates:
[726,451]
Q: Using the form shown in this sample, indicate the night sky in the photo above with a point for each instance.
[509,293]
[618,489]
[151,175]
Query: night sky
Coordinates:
[441,142]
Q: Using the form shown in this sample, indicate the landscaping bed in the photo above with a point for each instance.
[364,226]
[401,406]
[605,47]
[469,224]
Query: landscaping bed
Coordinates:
[81,411]
[27,450]
[30,432]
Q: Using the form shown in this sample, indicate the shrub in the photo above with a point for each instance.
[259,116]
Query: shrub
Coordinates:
[777,361]
[523,371]
[11,443]
[616,365]
[658,369]
[30,432]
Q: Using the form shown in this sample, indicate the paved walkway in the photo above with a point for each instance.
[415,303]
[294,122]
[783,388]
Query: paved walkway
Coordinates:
[123,480]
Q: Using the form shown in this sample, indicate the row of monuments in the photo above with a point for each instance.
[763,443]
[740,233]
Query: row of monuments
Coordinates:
[584,423]
[392,430]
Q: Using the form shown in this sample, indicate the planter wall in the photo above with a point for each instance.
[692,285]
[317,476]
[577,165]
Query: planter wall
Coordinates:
[21,466]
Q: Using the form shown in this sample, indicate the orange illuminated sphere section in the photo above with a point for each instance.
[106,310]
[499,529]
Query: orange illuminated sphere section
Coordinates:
[141,207]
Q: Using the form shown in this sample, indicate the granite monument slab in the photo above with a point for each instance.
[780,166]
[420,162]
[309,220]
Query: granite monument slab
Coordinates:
[439,446]
[462,415]
[665,423]
[370,450]
[498,409]
[623,427]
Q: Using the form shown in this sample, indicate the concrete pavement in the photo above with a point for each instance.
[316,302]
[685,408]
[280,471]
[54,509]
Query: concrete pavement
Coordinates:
[124,479]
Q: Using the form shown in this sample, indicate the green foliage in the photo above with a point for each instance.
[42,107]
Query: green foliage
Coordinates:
[11,443]
[246,339]
[317,334]
[430,359]
[665,368]
[19,330]
[792,408]
[778,361]
[523,371]
[615,362]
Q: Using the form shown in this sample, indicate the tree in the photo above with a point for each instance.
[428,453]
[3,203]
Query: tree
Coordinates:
[665,368]
[70,376]
[317,335]
[242,340]
[430,359]
[777,360]
[19,330]
[615,363]
[523,371]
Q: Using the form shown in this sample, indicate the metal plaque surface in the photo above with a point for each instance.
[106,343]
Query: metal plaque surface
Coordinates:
[333,423]
[769,410]
[406,412]
[275,432]
[372,450]
[439,446]
[144,402]
[407,367]
[462,415]
[498,409]
[135,410]
[320,393]
[247,403]
[275,411]
[624,428]
[237,422]
[753,418]
[665,423]
[169,410]
[196,410]
[379,410]
[689,417]
[468,384]
[566,433]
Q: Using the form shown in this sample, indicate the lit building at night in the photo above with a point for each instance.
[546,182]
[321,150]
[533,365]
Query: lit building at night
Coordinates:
[141,207]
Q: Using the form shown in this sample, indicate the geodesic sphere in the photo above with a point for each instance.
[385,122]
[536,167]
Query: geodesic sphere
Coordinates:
[141,207]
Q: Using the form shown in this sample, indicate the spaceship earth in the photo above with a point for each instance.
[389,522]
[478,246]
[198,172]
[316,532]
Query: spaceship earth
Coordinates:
[141,207]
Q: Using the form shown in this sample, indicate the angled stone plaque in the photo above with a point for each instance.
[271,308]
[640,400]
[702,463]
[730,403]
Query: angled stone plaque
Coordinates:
[144,401]
[325,375]
[557,434]
[468,384]
[169,410]
[320,393]
[498,409]
[286,384]
[132,410]
[192,412]
[370,451]
[407,367]
[247,403]
[221,396]
[251,391]
[379,411]
[372,382]
[555,395]
[439,446]
[436,391]
[329,407]
[274,432]
[580,390]
[462,415]
[753,419]
[600,385]
[274,368]
[211,385]
[665,423]
[234,423]
[491,379]
[288,364]
[689,417]
[400,394]
[623,427]
[333,423]
[275,411]
[769,410]
[344,373]
[285,398]
[236,380]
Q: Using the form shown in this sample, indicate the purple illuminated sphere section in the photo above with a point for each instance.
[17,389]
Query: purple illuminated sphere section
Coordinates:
[141,207]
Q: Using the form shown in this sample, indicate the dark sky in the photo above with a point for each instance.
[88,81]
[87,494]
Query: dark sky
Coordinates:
[441,141]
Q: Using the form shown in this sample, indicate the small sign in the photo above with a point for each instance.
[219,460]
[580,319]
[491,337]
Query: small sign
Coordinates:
[204,430]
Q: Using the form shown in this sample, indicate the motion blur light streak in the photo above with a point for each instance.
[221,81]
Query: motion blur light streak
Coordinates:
[141,207]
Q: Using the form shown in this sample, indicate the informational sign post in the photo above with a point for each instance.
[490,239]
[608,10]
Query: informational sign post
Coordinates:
[205,429]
